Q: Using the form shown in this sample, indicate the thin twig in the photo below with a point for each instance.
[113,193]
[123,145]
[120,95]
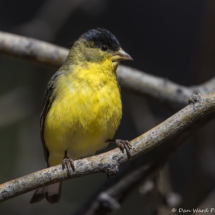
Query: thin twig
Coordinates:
[110,162]
[159,89]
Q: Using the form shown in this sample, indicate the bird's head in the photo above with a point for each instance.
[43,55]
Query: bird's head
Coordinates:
[98,45]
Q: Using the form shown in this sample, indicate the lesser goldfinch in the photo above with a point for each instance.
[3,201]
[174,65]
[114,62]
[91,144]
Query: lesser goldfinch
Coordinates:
[82,107]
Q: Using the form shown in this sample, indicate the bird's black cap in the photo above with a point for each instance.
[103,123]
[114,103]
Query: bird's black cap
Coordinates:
[101,36]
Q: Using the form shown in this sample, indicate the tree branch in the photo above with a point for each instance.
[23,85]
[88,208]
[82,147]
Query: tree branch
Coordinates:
[32,50]
[117,193]
[110,162]
[159,89]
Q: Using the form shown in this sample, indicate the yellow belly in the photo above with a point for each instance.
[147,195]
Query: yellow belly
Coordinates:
[82,117]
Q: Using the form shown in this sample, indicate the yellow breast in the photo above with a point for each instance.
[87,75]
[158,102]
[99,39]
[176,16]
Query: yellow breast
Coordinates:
[85,113]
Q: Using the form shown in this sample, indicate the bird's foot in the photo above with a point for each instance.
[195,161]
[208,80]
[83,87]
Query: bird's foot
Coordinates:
[124,145]
[67,163]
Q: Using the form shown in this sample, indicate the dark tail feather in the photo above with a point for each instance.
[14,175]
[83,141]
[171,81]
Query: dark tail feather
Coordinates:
[38,195]
[51,193]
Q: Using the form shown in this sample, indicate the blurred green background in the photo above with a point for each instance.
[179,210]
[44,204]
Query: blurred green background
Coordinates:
[173,39]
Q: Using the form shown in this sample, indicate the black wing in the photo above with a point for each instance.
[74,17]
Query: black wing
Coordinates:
[48,100]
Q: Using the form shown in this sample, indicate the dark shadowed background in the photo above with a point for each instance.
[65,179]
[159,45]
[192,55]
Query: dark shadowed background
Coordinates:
[173,39]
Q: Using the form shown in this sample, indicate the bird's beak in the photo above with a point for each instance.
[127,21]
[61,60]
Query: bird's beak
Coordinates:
[121,55]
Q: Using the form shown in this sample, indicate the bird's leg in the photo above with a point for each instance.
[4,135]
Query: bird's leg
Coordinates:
[123,145]
[67,162]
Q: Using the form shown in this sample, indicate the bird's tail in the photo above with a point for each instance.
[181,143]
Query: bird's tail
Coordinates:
[50,192]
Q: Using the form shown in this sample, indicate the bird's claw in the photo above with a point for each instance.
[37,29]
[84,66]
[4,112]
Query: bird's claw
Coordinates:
[67,163]
[124,145]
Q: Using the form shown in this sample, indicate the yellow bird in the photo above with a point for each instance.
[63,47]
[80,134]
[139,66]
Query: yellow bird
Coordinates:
[82,106]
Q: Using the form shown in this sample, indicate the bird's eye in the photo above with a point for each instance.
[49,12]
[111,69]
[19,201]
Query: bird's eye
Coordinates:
[104,48]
